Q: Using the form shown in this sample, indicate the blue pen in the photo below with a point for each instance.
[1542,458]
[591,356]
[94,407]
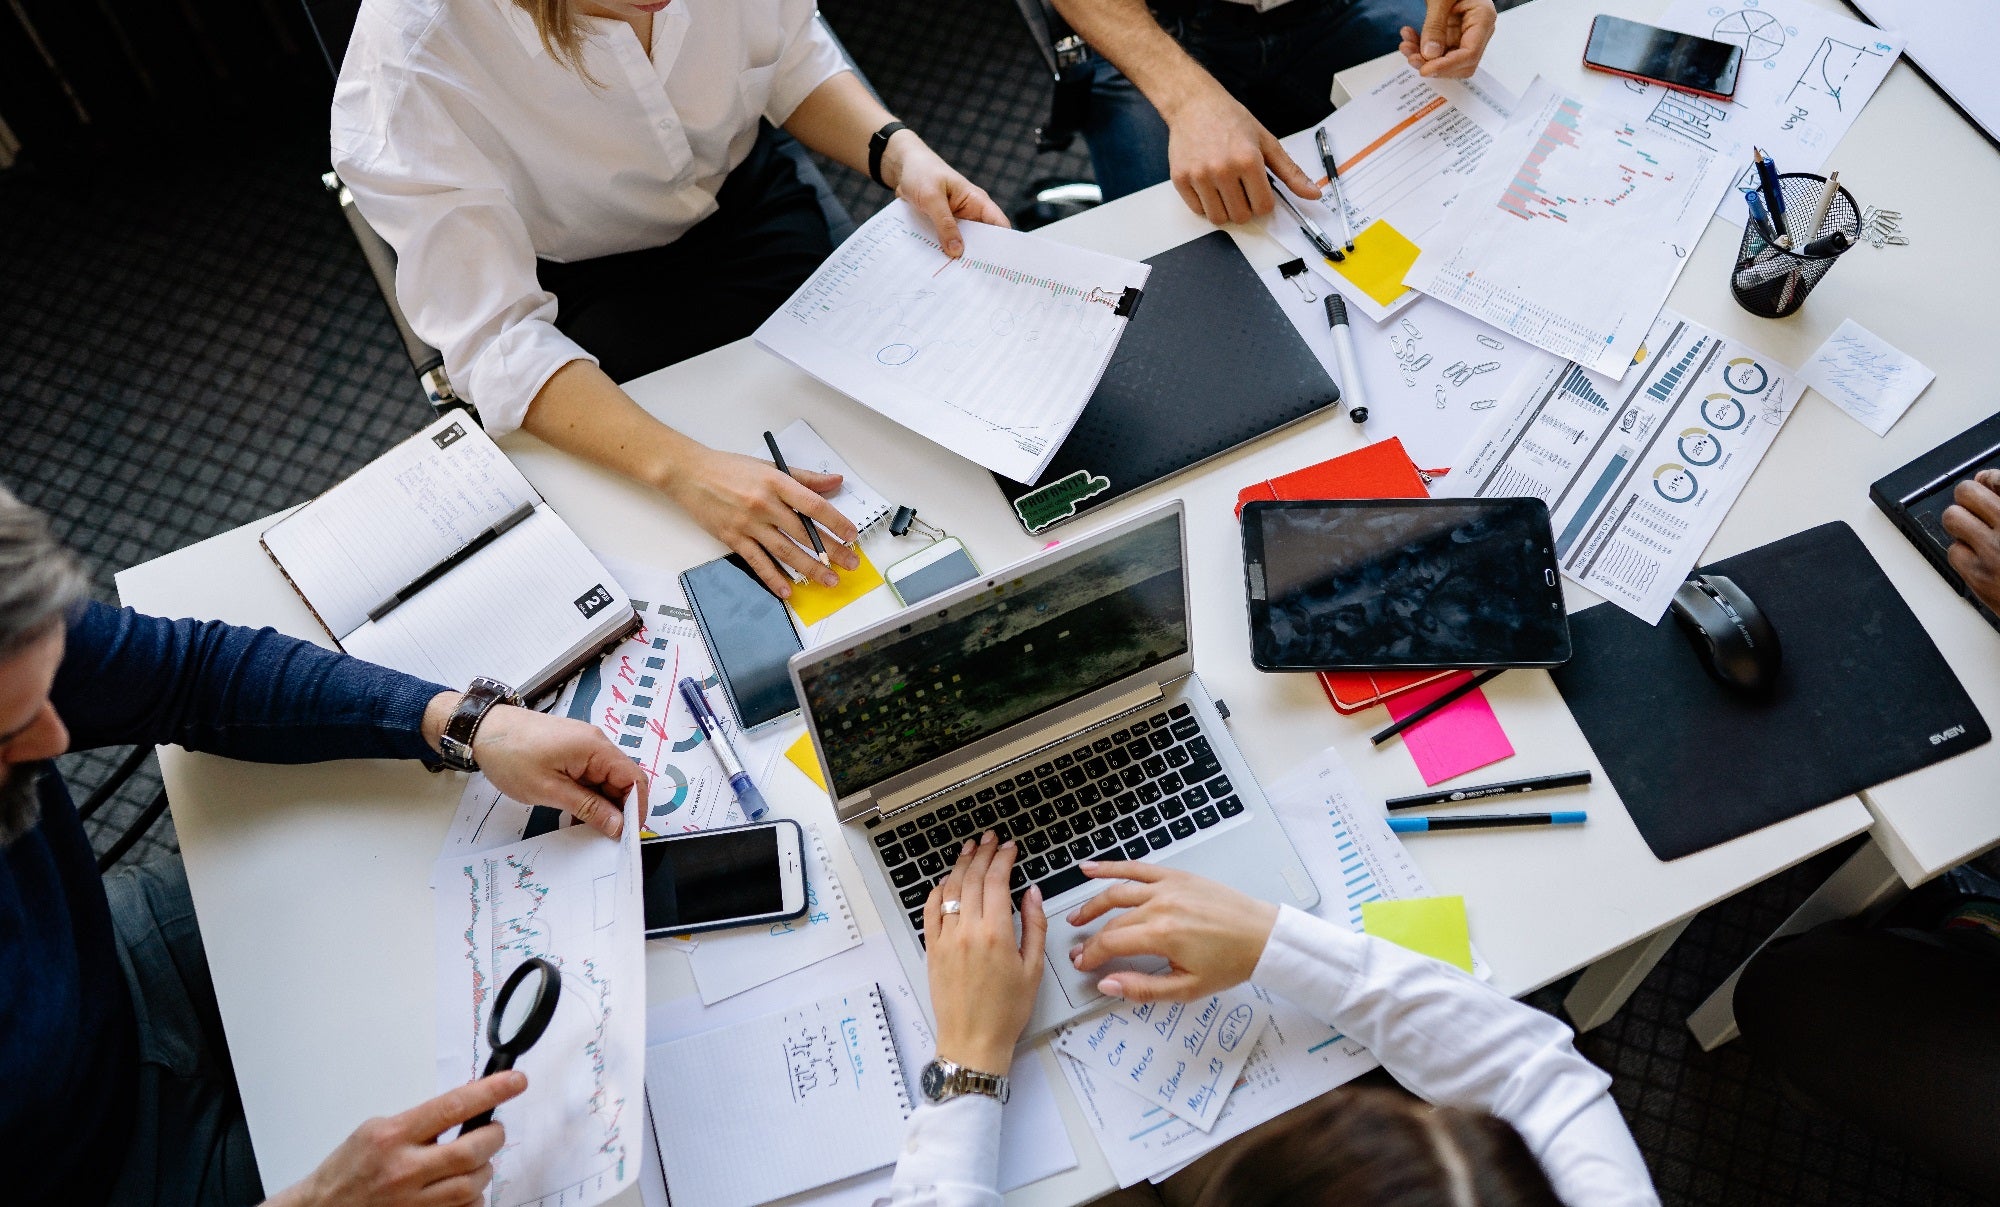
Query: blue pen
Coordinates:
[748,798]
[1490,821]
[1774,196]
[1761,216]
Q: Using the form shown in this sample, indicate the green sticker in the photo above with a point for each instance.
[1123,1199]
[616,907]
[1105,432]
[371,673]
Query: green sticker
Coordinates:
[1059,500]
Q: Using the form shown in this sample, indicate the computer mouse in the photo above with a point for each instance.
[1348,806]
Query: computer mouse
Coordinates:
[1731,635]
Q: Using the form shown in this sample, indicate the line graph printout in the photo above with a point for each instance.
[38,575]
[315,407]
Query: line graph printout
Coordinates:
[993,355]
[1807,72]
[572,897]
[1575,228]
[1637,474]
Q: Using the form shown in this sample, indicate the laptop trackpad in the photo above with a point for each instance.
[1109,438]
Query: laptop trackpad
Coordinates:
[1080,988]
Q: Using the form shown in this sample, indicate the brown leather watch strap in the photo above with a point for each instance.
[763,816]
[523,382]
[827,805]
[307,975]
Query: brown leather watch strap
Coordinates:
[456,743]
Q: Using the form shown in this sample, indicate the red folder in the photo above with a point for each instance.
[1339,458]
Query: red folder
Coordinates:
[1379,471]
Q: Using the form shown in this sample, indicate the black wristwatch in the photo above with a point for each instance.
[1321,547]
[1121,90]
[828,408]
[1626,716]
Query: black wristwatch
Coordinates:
[878,142]
[942,1080]
[456,744]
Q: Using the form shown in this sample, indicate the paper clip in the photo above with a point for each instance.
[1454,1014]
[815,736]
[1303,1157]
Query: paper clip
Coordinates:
[1293,271]
[905,519]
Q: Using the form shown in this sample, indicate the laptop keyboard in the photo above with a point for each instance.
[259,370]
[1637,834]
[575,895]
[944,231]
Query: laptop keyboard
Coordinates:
[1138,789]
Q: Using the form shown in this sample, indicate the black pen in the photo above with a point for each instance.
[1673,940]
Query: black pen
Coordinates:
[1452,796]
[1464,689]
[438,571]
[812,529]
[1338,203]
[1311,228]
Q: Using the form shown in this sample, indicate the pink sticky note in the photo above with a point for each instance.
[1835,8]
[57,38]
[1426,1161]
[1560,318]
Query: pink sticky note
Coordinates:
[1460,737]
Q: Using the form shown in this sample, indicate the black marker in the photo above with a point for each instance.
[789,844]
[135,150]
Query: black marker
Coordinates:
[1426,825]
[463,555]
[1540,783]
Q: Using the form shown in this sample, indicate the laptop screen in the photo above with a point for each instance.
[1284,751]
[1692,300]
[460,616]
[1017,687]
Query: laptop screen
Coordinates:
[1060,630]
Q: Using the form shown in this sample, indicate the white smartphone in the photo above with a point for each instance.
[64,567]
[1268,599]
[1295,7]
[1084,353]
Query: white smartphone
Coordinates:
[938,566]
[713,879]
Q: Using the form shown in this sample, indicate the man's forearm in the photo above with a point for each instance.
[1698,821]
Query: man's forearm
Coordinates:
[1125,32]
[580,410]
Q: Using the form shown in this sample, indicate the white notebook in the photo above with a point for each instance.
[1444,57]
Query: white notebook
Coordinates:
[992,355]
[779,1104]
[804,448]
[485,578]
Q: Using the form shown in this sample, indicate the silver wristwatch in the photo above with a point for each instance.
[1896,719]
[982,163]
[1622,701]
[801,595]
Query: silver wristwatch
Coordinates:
[944,1080]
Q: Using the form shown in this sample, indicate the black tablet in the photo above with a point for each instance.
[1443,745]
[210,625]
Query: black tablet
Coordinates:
[1402,584]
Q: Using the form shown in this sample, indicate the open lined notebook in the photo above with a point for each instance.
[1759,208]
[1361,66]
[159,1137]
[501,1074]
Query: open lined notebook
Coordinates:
[780,1104]
[438,559]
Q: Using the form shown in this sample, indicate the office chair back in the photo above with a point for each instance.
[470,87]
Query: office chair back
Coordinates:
[332,24]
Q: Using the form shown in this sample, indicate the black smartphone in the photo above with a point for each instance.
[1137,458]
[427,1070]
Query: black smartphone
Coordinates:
[1702,66]
[712,879]
[750,636]
[1402,584]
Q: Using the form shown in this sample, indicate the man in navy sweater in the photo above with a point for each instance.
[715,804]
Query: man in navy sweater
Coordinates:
[115,1083]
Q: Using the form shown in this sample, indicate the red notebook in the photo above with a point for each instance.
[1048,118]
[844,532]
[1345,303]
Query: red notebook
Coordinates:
[1379,471]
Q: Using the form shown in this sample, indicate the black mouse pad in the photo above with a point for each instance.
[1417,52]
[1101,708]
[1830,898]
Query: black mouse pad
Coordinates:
[1863,696]
[1208,362]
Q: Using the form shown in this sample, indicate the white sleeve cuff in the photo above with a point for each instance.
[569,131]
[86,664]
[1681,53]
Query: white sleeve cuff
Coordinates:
[951,1154]
[1310,961]
[504,376]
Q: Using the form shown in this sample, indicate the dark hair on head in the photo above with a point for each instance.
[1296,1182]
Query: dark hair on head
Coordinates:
[40,581]
[1369,1147]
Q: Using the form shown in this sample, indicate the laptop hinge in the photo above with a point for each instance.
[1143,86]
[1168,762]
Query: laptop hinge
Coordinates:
[1018,748]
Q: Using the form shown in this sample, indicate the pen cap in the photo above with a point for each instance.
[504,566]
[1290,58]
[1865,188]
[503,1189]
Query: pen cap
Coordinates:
[1336,309]
[1771,281]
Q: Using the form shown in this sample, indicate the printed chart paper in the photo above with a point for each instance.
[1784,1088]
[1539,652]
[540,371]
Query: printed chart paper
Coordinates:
[1184,1056]
[1807,72]
[1864,375]
[1574,229]
[993,355]
[1637,474]
[1405,148]
[726,962]
[572,897]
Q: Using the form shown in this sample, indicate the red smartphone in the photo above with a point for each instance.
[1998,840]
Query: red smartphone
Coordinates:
[1702,66]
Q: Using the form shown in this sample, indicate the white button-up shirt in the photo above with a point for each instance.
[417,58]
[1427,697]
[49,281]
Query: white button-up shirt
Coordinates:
[474,151]
[1446,1037]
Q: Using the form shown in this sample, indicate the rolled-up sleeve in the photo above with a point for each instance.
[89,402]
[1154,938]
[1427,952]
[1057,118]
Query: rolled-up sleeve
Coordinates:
[951,1156]
[811,58]
[465,268]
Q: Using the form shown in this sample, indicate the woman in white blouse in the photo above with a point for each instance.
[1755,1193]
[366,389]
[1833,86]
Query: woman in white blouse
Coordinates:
[569,182]
[1518,1118]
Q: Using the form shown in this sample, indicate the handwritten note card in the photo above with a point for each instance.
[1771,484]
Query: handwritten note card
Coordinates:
[1863,375]
[1183,1056]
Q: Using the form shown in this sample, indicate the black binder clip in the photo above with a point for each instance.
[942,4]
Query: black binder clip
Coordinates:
[1294,271]
[906,519]
[1128,302]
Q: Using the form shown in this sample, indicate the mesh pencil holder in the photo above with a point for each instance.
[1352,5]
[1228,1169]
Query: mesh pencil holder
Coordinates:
[1772,281]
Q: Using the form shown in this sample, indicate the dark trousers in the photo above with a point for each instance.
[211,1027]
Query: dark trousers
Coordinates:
[190,1145]
[1279,64]
[1899,1033]
[643,310]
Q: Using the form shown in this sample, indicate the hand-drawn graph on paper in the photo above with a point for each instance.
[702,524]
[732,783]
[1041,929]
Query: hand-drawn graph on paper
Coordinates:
[1760,34]
[1832,65]
[570,897]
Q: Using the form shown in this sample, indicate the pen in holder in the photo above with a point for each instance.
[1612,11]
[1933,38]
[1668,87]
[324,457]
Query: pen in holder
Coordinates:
[1772,281]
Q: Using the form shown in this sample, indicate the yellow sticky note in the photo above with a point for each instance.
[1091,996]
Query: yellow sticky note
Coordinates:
[802,756]
[1432,926]
[815,603]
[1380,257]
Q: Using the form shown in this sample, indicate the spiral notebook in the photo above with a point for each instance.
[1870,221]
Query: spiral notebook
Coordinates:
[779,1104]
[862,504]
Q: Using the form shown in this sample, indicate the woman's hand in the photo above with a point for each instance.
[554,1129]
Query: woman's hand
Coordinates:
[1211,934]
[754,509]
[936,190]
[1455,34]
[400,1160]
[983,982]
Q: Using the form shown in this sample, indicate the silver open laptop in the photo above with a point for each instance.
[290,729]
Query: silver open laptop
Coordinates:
[1056,702]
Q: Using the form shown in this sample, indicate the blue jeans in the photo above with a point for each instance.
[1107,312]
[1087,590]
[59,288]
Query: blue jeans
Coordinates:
[1280,64]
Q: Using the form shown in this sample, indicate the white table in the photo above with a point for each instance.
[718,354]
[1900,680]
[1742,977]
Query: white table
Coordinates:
[311,881]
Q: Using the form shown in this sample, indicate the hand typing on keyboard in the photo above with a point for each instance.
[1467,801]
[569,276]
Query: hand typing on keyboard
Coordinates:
[983,980]
[1210,934]
[1973,523]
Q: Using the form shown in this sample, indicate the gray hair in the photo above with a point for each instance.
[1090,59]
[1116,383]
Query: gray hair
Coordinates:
[40,580]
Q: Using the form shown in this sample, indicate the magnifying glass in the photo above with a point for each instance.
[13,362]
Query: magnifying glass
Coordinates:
[520,1014]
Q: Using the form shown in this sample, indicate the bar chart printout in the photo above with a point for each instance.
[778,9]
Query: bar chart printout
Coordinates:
[1637,474]
[1574,230]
